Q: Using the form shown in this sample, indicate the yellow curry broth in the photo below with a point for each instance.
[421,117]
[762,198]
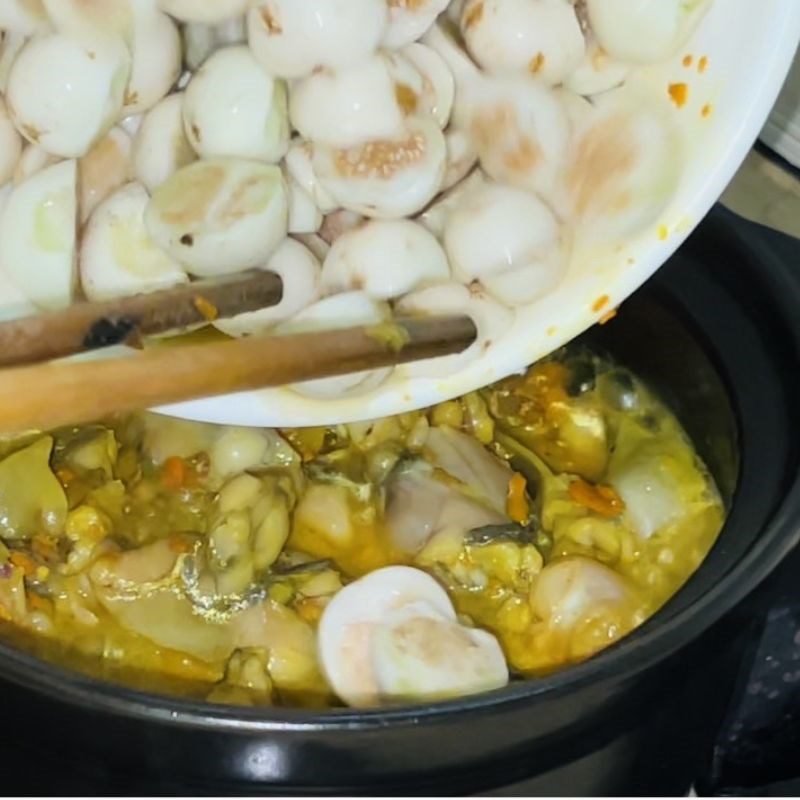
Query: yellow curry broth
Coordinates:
[198,560]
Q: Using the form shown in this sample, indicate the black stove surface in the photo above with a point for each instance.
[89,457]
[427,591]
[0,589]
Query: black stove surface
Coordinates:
[757,751]
[758,747]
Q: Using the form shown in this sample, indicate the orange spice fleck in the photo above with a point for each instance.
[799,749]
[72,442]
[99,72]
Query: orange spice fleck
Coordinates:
[65,476]
[601,303]
[606,318]
[406,98]
[688,60]
[707,110]
[23,562]
[602,500]
[702,64]
[309,610]
[679,92]
[545,385]
[663,233]
[44,547]
[39,603]
[173,474]
[180,545]
[207,309]
[536,64]
[517,505]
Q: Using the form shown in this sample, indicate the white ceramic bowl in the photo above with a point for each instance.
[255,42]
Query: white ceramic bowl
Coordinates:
[749,46]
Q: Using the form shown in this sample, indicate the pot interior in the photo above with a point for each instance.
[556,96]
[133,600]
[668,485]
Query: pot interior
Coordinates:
[714,343]
[721,346]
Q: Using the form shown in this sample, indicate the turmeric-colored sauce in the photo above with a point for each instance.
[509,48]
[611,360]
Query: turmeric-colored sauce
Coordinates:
[197,560]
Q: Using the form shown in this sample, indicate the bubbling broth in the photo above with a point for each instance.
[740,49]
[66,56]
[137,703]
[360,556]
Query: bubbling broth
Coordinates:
[498,537]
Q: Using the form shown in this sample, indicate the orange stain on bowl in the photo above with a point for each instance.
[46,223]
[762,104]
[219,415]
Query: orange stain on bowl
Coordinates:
[702,64]
[537,64]
[706,111]
[679,92]
[663,233]
[606,318]
[601,303]
[688,60]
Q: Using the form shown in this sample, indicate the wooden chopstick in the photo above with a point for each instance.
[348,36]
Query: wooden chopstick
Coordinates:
[92,326]
[50,395]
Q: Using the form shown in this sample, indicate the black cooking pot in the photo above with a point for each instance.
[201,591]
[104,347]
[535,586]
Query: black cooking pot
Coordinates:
[718,332]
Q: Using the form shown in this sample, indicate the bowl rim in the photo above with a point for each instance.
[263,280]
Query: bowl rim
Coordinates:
[654,642]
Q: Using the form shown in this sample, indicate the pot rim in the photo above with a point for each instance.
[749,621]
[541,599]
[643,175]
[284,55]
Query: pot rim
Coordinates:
[653,642]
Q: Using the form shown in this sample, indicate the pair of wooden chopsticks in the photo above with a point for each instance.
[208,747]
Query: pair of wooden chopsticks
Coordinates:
[38,392]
